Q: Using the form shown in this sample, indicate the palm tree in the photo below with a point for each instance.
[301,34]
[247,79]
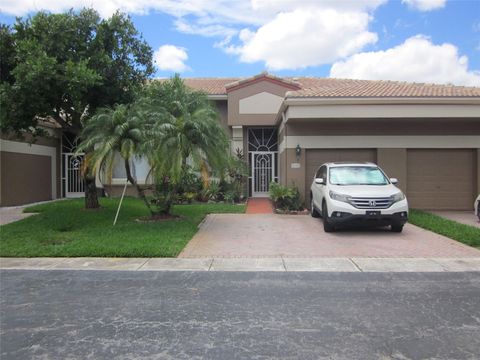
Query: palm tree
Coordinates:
[188,130]
[119,130]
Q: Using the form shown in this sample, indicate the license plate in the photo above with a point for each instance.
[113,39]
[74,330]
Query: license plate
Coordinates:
[373,213]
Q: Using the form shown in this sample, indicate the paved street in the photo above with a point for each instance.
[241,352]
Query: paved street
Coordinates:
[239,315]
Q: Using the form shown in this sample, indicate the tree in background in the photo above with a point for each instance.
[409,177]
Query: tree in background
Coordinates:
[66,66]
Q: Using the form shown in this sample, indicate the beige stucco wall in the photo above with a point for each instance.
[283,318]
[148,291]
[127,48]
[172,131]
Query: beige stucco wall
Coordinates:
[261,103]
[389,138]
[222,108]
[416,126]
[234,96]
[295,175]
[369,111]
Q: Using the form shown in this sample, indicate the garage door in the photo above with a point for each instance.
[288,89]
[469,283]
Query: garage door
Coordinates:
[317,157]
[26,178]
[441,178]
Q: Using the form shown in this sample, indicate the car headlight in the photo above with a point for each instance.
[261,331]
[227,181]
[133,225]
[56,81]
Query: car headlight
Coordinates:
[398,197]
[339,197]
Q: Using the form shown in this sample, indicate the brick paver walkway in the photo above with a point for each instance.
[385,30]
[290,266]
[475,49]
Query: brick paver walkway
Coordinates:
[270,235]
[259,206]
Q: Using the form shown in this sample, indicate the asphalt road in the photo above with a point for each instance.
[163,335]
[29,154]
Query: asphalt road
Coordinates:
[200,315]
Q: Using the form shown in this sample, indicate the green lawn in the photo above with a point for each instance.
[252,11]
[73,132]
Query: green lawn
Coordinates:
[64,228]
[466,234]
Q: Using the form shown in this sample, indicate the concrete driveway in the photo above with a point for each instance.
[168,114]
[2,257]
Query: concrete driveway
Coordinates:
[463,217]
[269,235]
[12,214]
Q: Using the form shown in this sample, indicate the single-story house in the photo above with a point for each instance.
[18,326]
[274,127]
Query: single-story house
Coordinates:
[427,136]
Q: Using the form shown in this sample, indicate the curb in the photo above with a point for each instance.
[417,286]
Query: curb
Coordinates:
[285,264]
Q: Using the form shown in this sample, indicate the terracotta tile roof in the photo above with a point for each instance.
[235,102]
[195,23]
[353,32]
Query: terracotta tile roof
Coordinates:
[264,75]
[212,86]
[327,87]
[324,87]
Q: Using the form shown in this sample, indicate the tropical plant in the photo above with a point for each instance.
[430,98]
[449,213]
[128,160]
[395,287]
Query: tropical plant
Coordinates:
[188,132]
[236,175]
[118,131]
[230,196]
[285,197]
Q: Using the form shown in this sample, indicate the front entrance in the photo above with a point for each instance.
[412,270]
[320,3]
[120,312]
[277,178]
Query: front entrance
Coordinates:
[263,172]
[262,151]
[73,184]
[73,180]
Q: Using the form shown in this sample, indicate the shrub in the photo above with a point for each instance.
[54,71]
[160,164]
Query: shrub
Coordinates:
[211,192]
[190,182]
[230,197]
[285,197]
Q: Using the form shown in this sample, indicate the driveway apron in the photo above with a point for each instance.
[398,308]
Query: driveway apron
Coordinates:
[271,235]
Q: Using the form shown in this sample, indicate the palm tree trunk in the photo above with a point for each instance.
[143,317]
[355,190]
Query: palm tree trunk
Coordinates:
[91,196]
[140,191]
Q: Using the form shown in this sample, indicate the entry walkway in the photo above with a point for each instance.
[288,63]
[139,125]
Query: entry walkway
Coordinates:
[259,206]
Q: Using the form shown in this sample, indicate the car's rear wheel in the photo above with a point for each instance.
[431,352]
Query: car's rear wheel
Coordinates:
[327,225]
[313,211]
[397,228]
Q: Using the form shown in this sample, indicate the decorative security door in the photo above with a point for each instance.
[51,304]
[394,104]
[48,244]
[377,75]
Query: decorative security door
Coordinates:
[74,182]
[263,172]
[262,148]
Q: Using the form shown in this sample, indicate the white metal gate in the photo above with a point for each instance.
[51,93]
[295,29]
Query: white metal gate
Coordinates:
[73,179]
[263,172]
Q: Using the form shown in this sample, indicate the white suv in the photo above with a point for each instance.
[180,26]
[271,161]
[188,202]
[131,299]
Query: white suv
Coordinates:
[359,193]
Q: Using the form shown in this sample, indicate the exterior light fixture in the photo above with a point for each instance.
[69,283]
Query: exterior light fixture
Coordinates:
[298,152]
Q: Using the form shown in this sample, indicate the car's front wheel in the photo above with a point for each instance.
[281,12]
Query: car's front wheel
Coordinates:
[397,228]
[313,211]
[327,225]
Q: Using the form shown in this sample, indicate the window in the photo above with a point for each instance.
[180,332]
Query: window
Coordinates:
[139,168]
[321,172]
[262,139]
[357,175]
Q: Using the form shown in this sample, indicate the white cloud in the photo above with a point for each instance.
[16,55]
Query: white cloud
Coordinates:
[416,60]
[425,5]
[284,34]
[171,58]
[305,37]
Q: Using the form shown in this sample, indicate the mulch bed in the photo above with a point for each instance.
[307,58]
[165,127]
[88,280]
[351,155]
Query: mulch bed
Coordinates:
[292,212]
[159,218]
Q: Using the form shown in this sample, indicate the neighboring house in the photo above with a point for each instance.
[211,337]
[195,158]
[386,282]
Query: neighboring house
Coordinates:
[30,171]
[427,136]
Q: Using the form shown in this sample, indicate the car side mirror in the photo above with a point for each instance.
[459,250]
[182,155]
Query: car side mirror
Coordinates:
[320,181]
[394,181]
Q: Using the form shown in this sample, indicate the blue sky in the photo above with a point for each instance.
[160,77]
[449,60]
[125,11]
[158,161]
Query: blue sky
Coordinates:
[434,41]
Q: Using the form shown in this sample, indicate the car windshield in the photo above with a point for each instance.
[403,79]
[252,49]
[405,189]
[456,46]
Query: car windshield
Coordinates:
[357,175]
